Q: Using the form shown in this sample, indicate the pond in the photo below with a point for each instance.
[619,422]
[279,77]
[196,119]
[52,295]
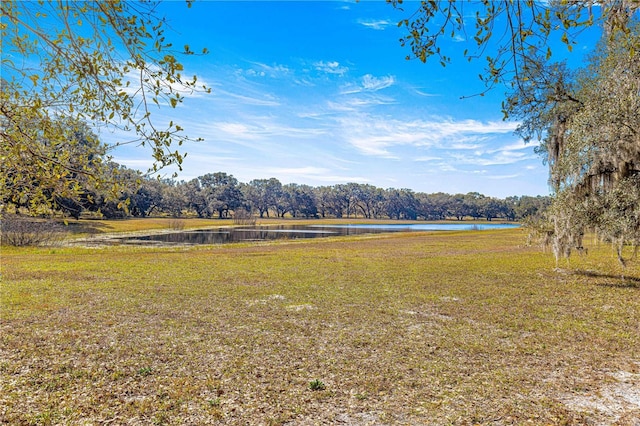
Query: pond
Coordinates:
[274,232]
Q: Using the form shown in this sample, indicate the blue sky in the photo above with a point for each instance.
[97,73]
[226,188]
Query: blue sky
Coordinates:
[320,93]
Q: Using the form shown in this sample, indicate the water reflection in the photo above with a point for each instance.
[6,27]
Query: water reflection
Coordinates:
[262,233]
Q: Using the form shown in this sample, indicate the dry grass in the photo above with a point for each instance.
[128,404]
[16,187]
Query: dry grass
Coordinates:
[90,228]
[442,328]
[96,227]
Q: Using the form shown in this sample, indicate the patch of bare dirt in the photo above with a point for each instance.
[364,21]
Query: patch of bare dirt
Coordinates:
[615,402]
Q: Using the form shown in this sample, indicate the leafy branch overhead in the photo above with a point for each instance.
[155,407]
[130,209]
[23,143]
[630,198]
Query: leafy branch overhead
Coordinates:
[103,63]
[586,120]
[508,34]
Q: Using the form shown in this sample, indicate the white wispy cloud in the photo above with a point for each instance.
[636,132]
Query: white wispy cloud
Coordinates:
[488,155]
[447,167]
[504,177]
[427,158]
[376,24]
[259,99]
[421,93]
[457,127]
[372,146]
[255,73]
[304,82]
[263,133]
[317,174]
[516,146]
[472,142]
[500,158]
[307,170]
[330,67]
[355,104]
[262,128]
[238,130]
[370,82]
[139,164]
[274,71]
[374,135]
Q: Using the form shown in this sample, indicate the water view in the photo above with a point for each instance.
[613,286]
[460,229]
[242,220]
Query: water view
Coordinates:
[263,233]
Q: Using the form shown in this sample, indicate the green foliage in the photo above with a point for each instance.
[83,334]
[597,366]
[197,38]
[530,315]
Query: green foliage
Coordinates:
[508,34]
[317,385]
[145,371]
[220,194]
[46,161]
[66,63]
[214,193]
[588,121]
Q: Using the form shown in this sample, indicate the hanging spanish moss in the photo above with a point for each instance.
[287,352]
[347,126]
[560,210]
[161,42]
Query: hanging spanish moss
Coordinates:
[588,125]
[594,153]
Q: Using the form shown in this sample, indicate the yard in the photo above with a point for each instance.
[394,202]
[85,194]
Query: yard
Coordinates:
[442,328]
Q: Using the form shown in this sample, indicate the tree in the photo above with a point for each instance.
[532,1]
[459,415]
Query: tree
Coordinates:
[306,201]
[339,200]
[174,199]
[147,198]
[594,155]
[197,198]
[103,63]
[217,193]
[492,208]
[323,199]
[64,160]
[456,206]
[300,200]
[282,202]
[108,202]
[472,204]
[366,198]
[587,121]
[509,34]
[226,193]
[527,207]
[401,204]
[437,206]
[262,194]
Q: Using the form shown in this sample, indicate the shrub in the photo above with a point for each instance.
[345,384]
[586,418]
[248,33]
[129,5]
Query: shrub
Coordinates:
[243,217]
[317,385]
[177,224]
[23,231]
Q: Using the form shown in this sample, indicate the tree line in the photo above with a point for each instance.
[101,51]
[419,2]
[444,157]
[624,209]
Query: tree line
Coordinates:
[221,195]
[99,187]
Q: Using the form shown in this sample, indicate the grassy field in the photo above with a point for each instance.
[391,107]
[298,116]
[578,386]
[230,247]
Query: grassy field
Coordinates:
[439,328]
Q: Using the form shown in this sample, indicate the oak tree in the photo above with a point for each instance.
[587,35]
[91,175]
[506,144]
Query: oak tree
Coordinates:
[102,63]
[587,121]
